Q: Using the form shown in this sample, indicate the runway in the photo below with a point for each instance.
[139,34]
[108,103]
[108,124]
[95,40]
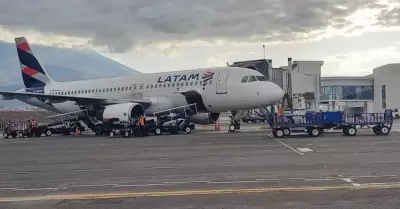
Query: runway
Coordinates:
[248,169]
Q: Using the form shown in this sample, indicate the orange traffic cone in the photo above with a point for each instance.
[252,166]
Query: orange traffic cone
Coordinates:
[77,132]
[217,127]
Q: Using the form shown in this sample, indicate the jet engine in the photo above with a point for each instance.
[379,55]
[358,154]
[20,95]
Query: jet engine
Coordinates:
[204,118]
[123,111]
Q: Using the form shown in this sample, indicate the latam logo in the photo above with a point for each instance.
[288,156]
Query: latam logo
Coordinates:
[206,77]
[178,78]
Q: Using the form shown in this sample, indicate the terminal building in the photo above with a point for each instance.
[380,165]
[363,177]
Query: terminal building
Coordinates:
[311,92]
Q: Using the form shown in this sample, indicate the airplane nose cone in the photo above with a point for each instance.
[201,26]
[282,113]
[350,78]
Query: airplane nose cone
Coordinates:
[277,93]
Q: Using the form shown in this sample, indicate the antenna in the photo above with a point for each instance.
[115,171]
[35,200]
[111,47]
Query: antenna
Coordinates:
[264,50]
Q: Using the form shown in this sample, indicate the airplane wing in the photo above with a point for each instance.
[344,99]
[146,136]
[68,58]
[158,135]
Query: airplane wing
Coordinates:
[79,100]
[189,93]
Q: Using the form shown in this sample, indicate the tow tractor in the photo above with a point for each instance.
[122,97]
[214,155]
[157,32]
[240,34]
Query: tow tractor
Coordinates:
[172,123]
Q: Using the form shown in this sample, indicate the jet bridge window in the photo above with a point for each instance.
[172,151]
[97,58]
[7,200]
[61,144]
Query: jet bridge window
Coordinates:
[252,79]
[244,79]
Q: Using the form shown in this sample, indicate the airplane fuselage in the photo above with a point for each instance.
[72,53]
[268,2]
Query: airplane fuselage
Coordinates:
[221,90]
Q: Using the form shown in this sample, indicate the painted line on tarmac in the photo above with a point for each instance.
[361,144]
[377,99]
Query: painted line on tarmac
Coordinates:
[193,192]
[293,149]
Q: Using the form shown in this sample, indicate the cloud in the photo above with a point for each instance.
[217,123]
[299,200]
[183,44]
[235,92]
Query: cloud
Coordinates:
[121,25]
[360,63]
[390,17]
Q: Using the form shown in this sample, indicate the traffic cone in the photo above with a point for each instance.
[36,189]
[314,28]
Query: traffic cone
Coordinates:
[217,127]
[76,131]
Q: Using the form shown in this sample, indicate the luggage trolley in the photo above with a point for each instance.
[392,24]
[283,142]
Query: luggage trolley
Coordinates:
[166,123]
[381,122]
[284,125]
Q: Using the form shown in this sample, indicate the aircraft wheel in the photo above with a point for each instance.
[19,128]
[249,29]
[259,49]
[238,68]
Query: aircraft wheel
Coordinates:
[21,135]
[48,132]
[112,134]
[286,132]
[188,130]
[232,128]
[157,131]
[351,131]
[385,130]
[6,135]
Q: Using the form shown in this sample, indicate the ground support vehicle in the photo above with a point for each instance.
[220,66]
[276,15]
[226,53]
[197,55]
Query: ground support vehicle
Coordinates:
[381,123]
[284,125]
[172,126]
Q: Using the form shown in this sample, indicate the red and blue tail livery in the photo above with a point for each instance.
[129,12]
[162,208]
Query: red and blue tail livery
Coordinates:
[33,74]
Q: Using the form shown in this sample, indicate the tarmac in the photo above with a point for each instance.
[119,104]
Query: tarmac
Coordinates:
[249,169]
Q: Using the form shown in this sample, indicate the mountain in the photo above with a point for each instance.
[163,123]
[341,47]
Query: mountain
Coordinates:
[63,64]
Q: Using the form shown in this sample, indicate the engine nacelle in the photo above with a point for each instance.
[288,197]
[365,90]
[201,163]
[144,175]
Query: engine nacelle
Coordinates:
[123,111]
[204,118]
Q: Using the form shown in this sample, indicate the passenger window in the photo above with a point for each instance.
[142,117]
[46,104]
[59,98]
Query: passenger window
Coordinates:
[75,92]
[159,86]
[195,83]
[115,89]
[151,86]
[130,87]
[201,82]
[147,86]
[155,86]
[252,79]
[173,84]
[244,79]
[187,83]
[165,85]
[118,88]
[210,82]
[262,78]
[169,85]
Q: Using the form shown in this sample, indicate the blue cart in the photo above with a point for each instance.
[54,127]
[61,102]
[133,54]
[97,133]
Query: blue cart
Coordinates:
[381,122]
[283,125]
[316,122]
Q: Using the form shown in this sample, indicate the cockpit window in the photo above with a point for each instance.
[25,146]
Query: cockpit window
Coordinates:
[262,78]
[244,79]
[252,79]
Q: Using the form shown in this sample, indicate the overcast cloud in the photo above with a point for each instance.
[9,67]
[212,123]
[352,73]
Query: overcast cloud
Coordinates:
[122,24]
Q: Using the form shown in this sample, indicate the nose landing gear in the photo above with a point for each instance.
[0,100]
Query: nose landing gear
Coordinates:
[235,123]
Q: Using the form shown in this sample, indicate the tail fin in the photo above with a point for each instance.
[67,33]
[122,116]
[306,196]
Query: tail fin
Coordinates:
[33,73]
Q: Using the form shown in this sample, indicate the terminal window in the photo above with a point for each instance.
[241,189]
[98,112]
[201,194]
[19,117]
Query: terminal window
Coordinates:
[347,92]
[383,96]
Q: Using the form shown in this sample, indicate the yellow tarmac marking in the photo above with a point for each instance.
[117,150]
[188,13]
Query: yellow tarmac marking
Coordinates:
[194,192]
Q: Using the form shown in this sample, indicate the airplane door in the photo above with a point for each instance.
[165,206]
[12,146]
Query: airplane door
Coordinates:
[134,92]
[221,82]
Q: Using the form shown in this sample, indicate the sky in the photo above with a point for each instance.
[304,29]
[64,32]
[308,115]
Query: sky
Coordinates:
[351,36]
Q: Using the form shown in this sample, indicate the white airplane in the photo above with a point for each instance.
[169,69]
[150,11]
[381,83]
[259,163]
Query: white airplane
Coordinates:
[213,90]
